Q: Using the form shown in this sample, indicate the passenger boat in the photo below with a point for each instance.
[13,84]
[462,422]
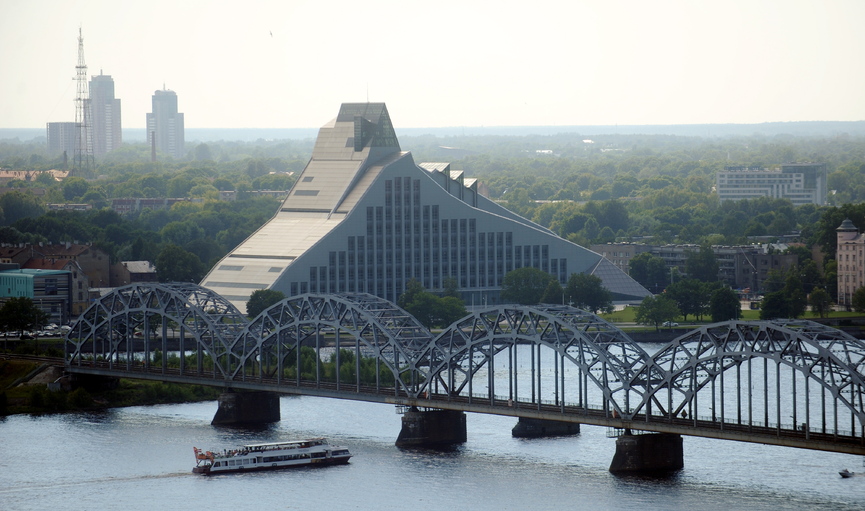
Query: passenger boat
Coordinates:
[846,473]
[270,456]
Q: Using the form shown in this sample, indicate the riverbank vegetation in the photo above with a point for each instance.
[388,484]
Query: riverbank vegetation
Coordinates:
[17,396]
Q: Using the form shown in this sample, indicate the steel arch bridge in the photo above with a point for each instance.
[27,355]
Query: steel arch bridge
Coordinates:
[786,382]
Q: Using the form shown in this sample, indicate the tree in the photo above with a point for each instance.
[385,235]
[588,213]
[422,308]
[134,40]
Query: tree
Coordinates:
[448,309]
[691,296]
[431,310]
[17,205]
[202,152]
[649,270]
[174,264]
[413,288]
[858,300]
[724,305]
[74,187]
[554,293]
[655,310]
[526,286]
[21,313]
[795,294]
[820,302]
[262,299]
[450,287]
[702,265]
[587,292]
[179,233]
[787,302]
[774,306]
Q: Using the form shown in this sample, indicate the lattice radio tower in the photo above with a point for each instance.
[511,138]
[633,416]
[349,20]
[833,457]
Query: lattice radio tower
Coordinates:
[83,143]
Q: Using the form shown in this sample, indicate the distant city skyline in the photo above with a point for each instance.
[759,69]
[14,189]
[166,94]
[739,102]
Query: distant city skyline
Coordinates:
[475,63]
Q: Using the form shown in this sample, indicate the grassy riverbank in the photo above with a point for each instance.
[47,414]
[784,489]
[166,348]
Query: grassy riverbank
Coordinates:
[34,396]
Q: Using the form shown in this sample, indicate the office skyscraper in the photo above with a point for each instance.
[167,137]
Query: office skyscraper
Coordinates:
[165,124]
[105,115]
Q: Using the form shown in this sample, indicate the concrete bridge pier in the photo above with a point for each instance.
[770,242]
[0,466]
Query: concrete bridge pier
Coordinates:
[432,428]
[537,428]
[247,408]
[656,452]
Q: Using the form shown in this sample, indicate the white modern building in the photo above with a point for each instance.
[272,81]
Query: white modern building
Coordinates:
[802,183]
[364,217]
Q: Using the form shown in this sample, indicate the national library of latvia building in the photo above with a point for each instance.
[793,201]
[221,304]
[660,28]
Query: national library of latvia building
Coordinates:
[364,218]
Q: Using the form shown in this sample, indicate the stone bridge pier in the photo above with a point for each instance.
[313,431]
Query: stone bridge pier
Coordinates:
[247,408]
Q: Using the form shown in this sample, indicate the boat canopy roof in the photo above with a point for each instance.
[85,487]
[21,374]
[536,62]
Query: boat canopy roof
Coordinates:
[292,443]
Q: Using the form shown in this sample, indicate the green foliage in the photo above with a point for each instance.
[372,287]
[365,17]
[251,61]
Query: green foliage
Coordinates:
[430,310]
[724,305]
[789,301]
[74,188]
[554,293]
[858,300]
[79,398]
[17,205]
[21,313]
[450,287]
[175,264]
[655,310]
[820,302]
[447,310]
[774,306]
[261,299]
[526,286]
[587,292]
[691,296]
[649,270]
[702,265]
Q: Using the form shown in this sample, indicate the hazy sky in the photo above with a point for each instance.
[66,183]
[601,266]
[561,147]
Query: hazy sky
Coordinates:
[290,63]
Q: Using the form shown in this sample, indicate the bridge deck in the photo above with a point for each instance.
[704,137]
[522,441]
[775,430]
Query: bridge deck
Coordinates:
[699,427]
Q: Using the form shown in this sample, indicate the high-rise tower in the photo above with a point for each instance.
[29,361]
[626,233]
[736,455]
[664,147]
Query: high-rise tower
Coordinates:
[83,144]
[165,124]
[105,114]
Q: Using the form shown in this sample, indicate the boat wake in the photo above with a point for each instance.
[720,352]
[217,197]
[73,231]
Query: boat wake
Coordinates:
[20,488]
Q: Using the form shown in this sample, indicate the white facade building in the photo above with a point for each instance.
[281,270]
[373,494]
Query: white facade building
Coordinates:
[802,183]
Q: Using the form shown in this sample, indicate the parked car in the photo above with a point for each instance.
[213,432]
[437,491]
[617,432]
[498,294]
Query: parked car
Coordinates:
[670,324]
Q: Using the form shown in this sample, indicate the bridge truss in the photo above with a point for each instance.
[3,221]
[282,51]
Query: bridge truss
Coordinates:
[797,377]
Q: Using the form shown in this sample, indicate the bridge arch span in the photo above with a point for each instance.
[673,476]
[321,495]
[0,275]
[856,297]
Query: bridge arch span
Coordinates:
[562,354]
[787,374]
[370,327]
[138,318]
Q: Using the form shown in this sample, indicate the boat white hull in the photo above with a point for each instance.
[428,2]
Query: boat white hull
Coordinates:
[276,465]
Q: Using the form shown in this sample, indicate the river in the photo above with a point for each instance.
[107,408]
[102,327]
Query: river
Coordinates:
[141,458]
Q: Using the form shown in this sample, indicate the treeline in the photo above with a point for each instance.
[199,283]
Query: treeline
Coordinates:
[183,241]
[610,188]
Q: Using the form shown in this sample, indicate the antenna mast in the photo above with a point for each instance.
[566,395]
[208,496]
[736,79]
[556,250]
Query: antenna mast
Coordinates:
[83,143]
